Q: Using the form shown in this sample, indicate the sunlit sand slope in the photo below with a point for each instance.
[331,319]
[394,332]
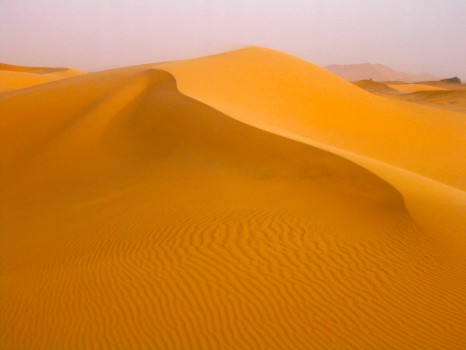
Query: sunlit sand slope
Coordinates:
[135,216]
[275,90]
[419,150]
[18,77]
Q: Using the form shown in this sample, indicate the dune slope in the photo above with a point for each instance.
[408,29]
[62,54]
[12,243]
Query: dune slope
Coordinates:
[405,87]
[454,100]
[292,95]
[18,77]
[438,94]
[419,150]
[149,209]
[375,87]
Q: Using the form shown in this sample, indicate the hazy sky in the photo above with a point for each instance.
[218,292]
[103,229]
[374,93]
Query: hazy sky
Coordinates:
[411,35]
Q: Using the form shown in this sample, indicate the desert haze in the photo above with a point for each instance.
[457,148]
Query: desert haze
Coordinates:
[377,72]
[246,200]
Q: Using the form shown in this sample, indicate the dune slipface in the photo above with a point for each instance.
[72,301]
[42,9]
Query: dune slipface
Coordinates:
[240,201]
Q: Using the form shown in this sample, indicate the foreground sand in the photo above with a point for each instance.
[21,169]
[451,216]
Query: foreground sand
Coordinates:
[246,200]
[18,77]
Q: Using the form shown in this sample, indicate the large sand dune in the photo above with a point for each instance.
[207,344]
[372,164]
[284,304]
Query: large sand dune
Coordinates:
[241,201]
[18,77]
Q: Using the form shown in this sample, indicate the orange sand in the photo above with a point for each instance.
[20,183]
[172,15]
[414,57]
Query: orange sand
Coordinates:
[404,87]
[245,200]
[18,77]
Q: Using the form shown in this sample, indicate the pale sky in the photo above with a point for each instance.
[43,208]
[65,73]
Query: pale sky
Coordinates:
[415,36]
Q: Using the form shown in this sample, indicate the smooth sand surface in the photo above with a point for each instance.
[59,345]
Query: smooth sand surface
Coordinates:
[18,77]
[248,200]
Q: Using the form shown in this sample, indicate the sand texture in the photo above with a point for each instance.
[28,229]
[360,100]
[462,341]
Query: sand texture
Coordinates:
[248,200]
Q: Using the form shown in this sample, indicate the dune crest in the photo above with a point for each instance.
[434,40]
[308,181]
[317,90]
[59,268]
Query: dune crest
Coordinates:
[328,112]
[245,200]
[301,97]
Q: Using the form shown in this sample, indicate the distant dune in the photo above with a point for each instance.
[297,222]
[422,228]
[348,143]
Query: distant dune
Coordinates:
[18,77]
[454,100]
[449,96]
[375,86]
[245,200]
[404,87]
[377,72]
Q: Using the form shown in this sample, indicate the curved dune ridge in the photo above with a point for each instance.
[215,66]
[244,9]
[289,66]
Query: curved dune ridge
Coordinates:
[18,77]
[415,148]
[246,200]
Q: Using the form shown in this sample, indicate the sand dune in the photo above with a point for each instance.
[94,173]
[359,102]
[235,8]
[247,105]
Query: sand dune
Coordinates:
[454,100]
[309,101]
[436,94]
[18,77]
[246,200]
[405,87]
[446,85]
[376,72]
[375,87]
